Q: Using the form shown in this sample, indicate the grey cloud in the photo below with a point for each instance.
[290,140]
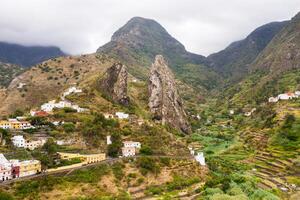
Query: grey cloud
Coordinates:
[81,26]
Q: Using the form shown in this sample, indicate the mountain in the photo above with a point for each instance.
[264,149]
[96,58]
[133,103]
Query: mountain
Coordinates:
[233,62]
[138,42]
[8,72]
[276,69]
[27,56]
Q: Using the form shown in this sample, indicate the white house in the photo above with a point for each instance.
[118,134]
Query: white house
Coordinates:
[48,107]
[108,116]
[273,99]
[18,141]
[286,96]
[71,90]
[128,151]
[132,144]
[108,140]
[297,93]
[5,169]
[231,112]
[200,158]
[21,85]
[122,115]
[31,145]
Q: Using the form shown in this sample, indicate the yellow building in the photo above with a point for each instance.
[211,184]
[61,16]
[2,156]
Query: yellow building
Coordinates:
[90,158]
[29,167]
[14,124]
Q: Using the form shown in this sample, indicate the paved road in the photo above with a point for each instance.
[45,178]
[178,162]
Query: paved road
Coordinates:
[68,171]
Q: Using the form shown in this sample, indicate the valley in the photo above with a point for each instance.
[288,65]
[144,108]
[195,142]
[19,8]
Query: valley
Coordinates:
[143,118]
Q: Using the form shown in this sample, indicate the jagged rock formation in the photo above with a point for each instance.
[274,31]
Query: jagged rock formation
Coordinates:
[164,101]
[114,83]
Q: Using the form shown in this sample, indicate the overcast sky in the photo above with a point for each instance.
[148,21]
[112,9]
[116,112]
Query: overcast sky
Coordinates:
[81,26]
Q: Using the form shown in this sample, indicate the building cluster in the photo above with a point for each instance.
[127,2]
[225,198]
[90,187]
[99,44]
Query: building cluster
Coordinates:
[285,96]
[48,107]
[20,142]
[51,105]
[15,124]
[10,169]
[130,148]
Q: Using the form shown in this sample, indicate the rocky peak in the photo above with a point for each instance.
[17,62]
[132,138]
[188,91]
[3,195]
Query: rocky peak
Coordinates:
[114,83]
[164,101]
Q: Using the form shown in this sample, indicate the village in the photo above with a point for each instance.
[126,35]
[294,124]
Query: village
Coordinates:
[20,139]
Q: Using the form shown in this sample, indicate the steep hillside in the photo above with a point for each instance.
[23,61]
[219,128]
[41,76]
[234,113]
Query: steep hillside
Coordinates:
[47,80]
[7,73]
[275,70]
[140,39]
[27,56]
[234,61]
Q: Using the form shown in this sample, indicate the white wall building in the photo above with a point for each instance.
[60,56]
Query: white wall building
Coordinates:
[71,90]
[108,140]
[5,169]
[122,115]
[31,145]
[132,144]
[286,96]
[200,158]
[18,141]
[273,100]
[128,151]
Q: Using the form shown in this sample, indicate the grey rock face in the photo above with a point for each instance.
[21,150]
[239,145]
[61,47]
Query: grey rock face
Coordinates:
[114,83]
[164,101]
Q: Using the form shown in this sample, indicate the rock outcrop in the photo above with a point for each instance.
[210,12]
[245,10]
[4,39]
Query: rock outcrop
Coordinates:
[164,101]
[114,84]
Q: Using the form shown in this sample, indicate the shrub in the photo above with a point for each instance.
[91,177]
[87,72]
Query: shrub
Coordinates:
[69,127]
[148,164]
[146,150]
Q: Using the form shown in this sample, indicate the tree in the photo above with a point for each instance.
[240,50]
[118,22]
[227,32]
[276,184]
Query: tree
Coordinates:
[114,149]
[50,146]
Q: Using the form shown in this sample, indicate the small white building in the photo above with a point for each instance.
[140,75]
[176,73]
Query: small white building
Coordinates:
[72,90]
[108,140]
[132,144]
[21,85]
[231,112]
[297,93]
[286,96]
[128,151]
[31,145]
[108,116]
[273,99]
[18,141]
[200,158]
[48,107]
[122,115]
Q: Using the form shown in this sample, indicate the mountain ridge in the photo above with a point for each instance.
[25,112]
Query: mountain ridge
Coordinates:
[27,56]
